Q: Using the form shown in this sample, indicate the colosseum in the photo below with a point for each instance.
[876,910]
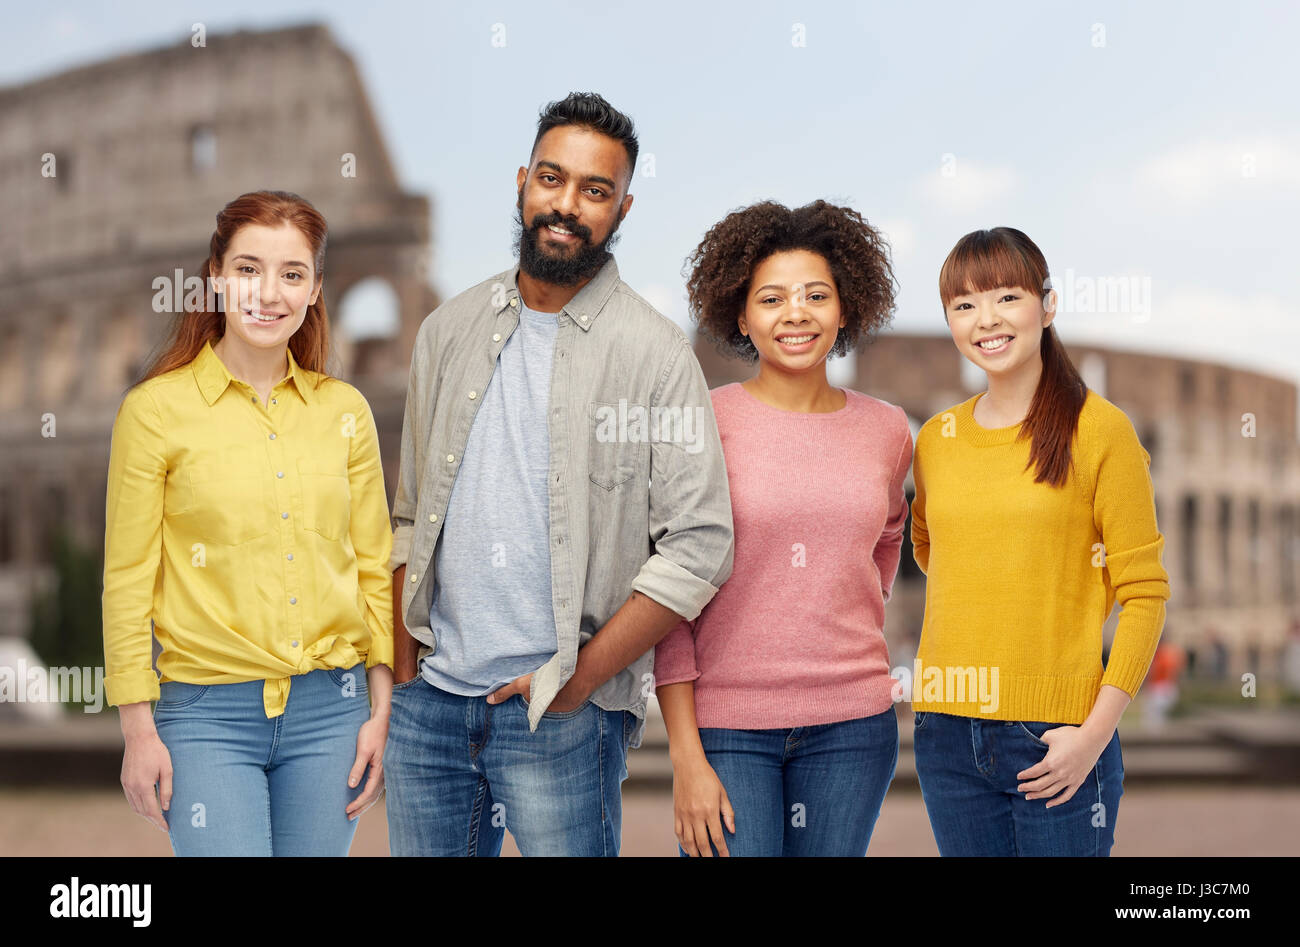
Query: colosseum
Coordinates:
[147,147]
[144,150]
[1225,467]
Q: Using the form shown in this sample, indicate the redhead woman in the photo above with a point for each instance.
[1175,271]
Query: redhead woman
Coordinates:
[1034,514]
[248,533]
[777,697]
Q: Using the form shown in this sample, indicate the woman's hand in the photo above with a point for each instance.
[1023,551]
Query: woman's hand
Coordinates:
[1072,752]
[700,805]
[146,765]
[371,739]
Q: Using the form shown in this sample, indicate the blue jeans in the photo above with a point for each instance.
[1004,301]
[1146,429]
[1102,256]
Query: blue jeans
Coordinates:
[460,771]
[967,768]
[243,784]
[801,791]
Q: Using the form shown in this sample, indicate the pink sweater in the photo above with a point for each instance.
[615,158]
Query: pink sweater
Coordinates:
[794,637]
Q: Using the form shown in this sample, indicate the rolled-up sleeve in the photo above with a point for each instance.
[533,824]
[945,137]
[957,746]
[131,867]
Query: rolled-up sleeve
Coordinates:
[690,501]
[371,539]
[137,476]
[675,656]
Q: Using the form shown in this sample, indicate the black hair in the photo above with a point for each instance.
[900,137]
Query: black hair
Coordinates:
[590,110]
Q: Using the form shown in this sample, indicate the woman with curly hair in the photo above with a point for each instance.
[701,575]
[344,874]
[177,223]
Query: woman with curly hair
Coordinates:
[777,698]
[1034,514]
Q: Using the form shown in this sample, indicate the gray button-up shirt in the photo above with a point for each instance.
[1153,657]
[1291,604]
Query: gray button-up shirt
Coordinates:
[637,482]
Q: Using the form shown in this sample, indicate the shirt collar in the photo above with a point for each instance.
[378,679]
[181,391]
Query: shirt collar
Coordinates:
[586,304]
[213,377]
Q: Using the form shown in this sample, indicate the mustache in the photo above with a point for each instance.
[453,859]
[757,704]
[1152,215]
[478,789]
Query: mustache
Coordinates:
[578,230]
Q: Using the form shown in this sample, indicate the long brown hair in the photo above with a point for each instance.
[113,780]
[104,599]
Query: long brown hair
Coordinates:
[985,260]
[192,329]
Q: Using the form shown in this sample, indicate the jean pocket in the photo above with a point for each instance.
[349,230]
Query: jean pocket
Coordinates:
[1034,730]
[559,715]
[407,685]
[173,695]
[351,681]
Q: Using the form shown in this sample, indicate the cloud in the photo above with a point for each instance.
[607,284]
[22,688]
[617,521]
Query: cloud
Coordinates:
[900,234]
[962,185]
[1205,171]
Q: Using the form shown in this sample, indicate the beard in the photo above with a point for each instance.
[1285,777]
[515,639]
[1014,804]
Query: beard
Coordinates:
[559,267]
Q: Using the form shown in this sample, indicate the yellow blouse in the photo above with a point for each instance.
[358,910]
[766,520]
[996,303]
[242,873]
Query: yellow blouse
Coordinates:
[255,536]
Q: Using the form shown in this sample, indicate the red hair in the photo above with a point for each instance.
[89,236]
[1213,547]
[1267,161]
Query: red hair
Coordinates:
[191,330]
[989,259]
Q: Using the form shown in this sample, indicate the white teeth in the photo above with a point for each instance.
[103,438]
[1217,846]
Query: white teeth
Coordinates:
[995,343]
[797,339]
[261,318]
[559,230]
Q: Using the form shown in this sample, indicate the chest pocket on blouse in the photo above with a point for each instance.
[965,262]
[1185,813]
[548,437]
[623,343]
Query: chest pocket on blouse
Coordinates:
[326,498]
[228,498]
[612,458]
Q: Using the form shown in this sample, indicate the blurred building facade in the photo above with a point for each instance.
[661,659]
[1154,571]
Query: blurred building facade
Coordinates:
[149,146]
[1227,504]
[145,149]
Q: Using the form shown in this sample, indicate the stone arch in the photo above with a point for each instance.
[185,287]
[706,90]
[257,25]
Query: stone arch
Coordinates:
[368,317]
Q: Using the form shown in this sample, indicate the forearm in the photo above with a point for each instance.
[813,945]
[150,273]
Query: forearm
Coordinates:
[379,681]
[677,702]
[136,720]
[405,648]
[1106,711]
[634,629]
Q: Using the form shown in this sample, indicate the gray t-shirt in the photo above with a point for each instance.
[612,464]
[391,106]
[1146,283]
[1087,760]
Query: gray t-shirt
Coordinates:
[492,614]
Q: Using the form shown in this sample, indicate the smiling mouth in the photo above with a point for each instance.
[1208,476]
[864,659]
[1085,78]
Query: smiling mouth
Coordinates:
[797,340]
[995,345]
[264,317]
[562,234]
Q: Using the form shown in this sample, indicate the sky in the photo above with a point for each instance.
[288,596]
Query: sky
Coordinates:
[1151,150]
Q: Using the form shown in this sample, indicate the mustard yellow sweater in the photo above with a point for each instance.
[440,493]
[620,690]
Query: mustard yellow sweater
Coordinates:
[1021,576]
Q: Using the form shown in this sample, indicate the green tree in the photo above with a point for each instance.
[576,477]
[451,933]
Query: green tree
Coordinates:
[67,618]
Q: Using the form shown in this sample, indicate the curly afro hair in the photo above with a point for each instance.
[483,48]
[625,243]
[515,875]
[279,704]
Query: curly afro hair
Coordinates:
[723,264]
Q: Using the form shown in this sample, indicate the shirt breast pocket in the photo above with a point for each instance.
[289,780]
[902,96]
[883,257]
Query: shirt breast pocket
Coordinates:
[326,498]
[228,498]
[612,456]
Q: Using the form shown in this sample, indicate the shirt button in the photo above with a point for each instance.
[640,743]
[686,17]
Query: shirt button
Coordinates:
[413,578]
[293,601]
[433,517]
[584,318]
[293,644]
[451,458]
[289,557]
[254,397]
[273,401]
[284,516]
[473,395]
[279,473]
[513,302]
[496,336]
[272,436]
